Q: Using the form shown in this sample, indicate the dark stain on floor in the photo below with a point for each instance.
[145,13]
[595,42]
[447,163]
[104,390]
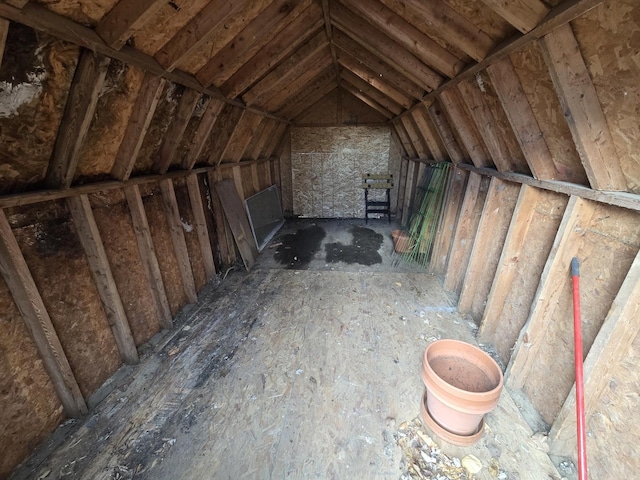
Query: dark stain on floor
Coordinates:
[363,249]
[297,249]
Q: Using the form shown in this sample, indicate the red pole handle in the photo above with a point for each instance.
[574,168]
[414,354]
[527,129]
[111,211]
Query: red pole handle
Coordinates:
[577,340]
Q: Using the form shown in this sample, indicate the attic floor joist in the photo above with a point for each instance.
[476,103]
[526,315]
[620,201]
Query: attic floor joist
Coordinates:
[44,20]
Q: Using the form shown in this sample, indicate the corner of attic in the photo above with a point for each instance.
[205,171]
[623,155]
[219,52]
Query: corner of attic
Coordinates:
[144,335]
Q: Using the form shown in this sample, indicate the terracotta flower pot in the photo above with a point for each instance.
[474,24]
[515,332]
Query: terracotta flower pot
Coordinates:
[401,241]
[463,384]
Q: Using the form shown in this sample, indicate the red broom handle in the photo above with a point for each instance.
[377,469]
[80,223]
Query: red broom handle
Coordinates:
[577,337]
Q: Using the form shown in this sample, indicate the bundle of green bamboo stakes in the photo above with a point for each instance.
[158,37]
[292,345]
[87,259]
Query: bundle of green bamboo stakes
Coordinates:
[423,224]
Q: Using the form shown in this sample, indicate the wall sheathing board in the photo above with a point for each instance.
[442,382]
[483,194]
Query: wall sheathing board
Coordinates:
[327,168]
[38,71]
[286,177]
[608,39]
[529,239]
[538,87]
[158,127]
[489,241]
[169,270]
[606,240]
[51,247]
[466,227]
[118,237]
[448,221]
[612,419]
[190,233]
[28,402]
[108,126]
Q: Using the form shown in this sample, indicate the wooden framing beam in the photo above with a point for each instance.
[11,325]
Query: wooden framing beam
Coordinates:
[288,70]
[125,19]
[173,136]
[172,214]
[430,135]
[217,16]
[326,13]
[148,256]
[441,20]
[582,110]
[407,36]
[17,3]
[403,136]
[522,14]
[564,13]
[402,182]
[200,224]
[318,69]
[259,140]
[200,137]
[139,121]
[371,91]
[416,139]
[226,124]
[553,276]
[272,19]
[91,241]
[78,113]
[240,138]
[316,92]
[447,226]
[322,82]
[455,151]
[466,228]
[362,96]
[279,134]
[509,263]
[487,127]
[467,130]
[25,294]
[485,254]
[374,79]
[289,39]
[613,342]
[374,63]
[620,199]
[522,119]
[4,30]
[385,48]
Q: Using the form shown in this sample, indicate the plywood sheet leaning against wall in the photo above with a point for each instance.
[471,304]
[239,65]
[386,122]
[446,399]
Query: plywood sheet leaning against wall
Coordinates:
[487,246]
[612,384]
[606,240]
[533,227]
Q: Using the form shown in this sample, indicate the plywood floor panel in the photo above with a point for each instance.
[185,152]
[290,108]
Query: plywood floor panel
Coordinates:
[281,373]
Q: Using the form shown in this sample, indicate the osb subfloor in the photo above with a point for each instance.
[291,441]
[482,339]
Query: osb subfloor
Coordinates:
[283,374]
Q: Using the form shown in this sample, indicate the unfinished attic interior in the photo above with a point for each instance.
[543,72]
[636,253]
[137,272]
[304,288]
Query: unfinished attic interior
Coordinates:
[144,335]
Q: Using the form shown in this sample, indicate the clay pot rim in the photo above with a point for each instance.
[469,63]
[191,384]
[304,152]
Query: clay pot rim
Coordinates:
[479,398]
[443,433]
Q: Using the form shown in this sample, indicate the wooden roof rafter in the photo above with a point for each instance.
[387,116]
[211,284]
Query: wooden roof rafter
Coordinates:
[258,33]
[326,12]
[385,48]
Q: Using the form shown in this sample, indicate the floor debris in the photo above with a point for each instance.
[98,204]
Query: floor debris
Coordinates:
[423,459]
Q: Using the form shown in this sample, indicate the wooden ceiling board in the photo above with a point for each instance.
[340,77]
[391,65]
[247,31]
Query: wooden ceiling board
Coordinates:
[307,24]
[250,40]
